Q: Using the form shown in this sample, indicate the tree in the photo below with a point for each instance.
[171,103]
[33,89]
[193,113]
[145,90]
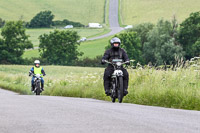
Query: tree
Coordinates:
[196,48]
[60,47]
[42,19]
[130,41]
[2,22]
[189,34]
[13,43]
[161,46]
[142,31]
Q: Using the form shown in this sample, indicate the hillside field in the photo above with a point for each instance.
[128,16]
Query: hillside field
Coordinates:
[91,49]
[140,11]
[82,32]
[83,11]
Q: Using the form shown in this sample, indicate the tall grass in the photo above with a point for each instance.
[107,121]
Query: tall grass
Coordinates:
[174,89]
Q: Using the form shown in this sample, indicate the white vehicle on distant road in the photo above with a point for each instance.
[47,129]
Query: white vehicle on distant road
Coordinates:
[94,25]
[128,27]
[68,27]
[82,39]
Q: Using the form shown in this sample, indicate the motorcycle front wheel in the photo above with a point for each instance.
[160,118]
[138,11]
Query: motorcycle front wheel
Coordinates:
[120,90]
[38,89]
[113,91]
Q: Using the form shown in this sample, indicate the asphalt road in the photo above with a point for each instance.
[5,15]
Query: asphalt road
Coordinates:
[49,114]
[113,20]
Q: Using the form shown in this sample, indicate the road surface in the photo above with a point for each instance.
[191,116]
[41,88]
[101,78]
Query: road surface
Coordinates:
[113,20]
[50,114]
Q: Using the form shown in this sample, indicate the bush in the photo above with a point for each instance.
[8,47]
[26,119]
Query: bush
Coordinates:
[67,22]
[88,62]
[43,19]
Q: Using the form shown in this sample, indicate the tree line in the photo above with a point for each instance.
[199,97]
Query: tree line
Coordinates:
[162,43]
[44,19]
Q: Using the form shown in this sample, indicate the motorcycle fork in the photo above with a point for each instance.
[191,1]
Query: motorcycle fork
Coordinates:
[114,90]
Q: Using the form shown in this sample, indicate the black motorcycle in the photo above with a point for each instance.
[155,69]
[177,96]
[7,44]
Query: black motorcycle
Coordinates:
[117,90]
[37,82]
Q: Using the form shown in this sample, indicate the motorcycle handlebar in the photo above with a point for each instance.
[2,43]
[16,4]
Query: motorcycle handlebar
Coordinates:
[113,63]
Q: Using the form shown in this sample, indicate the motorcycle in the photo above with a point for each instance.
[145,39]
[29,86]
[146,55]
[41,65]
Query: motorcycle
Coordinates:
[117,90]
[37,82]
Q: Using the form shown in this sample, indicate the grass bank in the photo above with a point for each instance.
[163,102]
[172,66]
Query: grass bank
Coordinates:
[174,89]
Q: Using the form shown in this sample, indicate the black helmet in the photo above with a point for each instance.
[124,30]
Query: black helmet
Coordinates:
[115,40]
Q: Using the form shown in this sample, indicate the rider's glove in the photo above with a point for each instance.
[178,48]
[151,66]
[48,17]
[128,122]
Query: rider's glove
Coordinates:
[44,74]
[103,61]
[30,73]
[127,63]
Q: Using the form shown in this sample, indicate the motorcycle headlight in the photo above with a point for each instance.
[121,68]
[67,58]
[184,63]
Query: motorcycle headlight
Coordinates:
[37,75]
[119,63]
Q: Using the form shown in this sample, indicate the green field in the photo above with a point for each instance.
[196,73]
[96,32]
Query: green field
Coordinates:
[174,89]
[31,53]
[83,11]
[94,48]
[91,49]
[82,32]
[140,11]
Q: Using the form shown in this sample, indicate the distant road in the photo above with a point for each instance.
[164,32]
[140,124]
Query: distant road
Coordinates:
[113,20]
[50,114]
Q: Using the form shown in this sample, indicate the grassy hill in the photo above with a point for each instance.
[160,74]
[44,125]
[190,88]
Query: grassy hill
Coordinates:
[140,11]
[83,11]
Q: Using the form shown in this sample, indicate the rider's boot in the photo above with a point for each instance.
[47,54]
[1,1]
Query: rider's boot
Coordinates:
[42,87]
[125,87]
[125,92]
[107,92]
[107,87]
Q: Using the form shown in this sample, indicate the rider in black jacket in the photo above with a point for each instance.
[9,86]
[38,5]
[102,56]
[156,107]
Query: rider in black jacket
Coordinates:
[115,53]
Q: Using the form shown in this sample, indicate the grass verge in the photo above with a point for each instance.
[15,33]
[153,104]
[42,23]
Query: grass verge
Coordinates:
[174,89]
